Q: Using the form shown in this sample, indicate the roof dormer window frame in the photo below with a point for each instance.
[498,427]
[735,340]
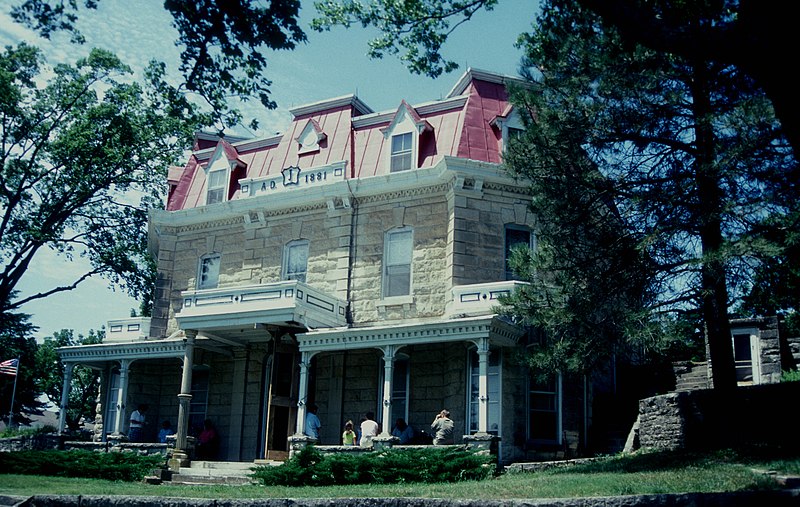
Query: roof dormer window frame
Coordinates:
[406,121]
[310,138]
[509,123]
[218,173]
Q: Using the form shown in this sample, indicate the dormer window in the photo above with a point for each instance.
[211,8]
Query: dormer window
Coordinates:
[509,125]
[310,138]
[217,186]
[403,138]
[402,152]
[223,166]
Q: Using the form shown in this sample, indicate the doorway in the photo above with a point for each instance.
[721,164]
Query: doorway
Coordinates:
[279,413]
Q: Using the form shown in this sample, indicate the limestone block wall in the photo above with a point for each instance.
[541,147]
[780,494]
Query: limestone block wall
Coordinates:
[752,416]
[476,237]
[427,214]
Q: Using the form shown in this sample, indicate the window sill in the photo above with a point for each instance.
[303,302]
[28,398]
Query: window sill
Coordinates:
[395,301]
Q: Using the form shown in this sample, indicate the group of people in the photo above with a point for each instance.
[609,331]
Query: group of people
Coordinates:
[207,440]
[362,435]
[136,425]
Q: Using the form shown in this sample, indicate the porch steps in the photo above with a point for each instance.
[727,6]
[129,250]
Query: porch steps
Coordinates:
[215,472]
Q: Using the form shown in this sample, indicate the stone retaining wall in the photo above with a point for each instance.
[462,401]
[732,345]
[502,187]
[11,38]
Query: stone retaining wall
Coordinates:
[754,416]
[782,498]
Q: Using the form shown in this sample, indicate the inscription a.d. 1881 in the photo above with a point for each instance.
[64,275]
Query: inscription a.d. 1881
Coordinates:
[291,178]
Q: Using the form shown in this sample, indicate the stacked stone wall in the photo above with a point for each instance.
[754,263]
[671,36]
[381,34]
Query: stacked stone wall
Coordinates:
[753,416]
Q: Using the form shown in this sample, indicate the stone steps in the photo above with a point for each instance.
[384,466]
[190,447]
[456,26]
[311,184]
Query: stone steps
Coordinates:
[216,472]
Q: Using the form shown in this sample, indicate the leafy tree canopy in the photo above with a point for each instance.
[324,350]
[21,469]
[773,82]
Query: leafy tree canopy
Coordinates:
[83,155]
[222,42]
[84,383]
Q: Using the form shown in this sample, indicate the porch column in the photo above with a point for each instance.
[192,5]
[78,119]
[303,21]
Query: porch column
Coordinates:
[65,388]
[302,395]
[122,395]
[388,385]
[185,396]
[483,385]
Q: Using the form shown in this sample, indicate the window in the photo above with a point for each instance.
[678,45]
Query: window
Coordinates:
[543,409]
[398,248]
[199,403]
[493,374]
[295,261]
[402,151]
[516,235]
[112,397]
[217,185]
[208,275]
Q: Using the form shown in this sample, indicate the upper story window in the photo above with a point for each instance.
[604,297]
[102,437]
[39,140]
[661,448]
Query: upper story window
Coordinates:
[208,272]
[403,137]
[223,166]
[295,260]
[217,186]
[402,152]
[516,235]
[510,126]
[398,250]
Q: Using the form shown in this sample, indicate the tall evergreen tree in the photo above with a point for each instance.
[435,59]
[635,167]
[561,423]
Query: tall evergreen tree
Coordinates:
[688,153]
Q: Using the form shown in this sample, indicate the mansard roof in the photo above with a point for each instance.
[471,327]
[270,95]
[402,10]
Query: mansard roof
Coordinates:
[459,125]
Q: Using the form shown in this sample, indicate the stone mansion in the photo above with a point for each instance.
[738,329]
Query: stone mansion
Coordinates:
[354,262]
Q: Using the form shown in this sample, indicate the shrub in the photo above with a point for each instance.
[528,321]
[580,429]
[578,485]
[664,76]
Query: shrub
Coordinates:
[27,432]
[790,375]
[113,466]
[310,468]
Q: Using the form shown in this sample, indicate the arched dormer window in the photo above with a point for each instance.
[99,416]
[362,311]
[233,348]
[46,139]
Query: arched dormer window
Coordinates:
[402,135]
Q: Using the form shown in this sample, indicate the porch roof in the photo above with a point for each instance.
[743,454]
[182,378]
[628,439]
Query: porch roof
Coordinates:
[497,330]
[142,349]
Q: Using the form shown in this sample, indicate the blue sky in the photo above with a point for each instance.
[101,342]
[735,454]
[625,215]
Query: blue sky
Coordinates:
[331,64]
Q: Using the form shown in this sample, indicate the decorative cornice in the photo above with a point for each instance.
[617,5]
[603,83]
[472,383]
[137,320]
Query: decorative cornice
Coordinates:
[145,349]
[421,109]
[322,105]
[457,330]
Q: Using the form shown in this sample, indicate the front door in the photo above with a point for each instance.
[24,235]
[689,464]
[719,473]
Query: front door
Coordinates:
[746,352]
[280,402]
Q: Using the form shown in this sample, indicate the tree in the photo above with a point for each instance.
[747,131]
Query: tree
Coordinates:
[16,341]
[748,34]
[688,151]
[222,43]
[82,158]
[85,381]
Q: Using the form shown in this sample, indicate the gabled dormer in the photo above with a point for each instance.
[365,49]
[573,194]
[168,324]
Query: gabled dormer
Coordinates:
[403,138]
[508,125]
[311,138]
[223,167]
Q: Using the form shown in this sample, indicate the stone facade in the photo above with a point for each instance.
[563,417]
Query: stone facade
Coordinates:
[247,335]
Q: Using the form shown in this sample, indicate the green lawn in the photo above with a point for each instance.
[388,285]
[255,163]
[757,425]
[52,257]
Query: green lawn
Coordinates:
[648,474]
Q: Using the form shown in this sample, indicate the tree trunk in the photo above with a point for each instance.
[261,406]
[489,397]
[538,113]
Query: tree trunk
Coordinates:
[714,288]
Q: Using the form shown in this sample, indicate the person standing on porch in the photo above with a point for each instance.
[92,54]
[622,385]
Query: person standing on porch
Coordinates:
[312,422]
[369,429]
[137,420]
[442,427]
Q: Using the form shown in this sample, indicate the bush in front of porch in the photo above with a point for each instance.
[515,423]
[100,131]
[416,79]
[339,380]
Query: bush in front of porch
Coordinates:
[309,467]
[112,466]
